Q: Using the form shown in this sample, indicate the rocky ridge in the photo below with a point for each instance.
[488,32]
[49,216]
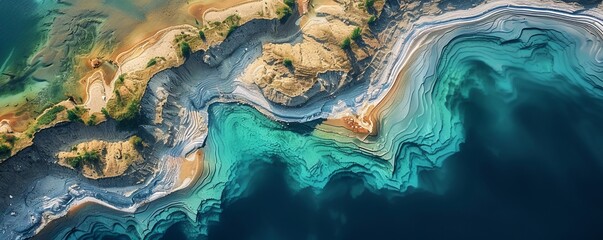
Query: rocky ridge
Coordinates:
[336,39]
[101,159]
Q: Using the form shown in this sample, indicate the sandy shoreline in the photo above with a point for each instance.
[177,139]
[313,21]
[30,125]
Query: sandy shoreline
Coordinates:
[191,170]
[374,112]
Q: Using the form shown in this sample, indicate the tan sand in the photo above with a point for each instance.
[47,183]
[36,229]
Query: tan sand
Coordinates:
[5,126]
[17,123]
[246,10]
[190,169]
[96,99]
[199,8]
[115,158]
[159,45]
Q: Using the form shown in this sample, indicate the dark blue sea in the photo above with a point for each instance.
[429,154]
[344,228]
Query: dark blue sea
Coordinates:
[540,179]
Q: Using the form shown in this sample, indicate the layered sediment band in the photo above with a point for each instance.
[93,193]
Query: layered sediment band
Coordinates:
[416,100]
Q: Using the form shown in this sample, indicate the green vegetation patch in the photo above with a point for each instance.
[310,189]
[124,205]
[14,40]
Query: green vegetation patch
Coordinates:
[372,20]
[288,63]
[105,113]
[118,98]
[232,20]
[5,150]
[75,115]
[50,115]
[356,34]
[10,139]
[87,157]
[130,113]
[151,62]
[182,37]
[121,78]
[185,49]
[369,4]
[92,120]
[346,43]
[136,141]
[289,3]
[231,29]
[283,13]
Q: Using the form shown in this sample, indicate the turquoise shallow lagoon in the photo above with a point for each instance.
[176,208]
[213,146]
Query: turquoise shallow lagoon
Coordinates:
[496,135]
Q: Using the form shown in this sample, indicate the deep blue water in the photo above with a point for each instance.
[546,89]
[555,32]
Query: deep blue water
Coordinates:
[540,178]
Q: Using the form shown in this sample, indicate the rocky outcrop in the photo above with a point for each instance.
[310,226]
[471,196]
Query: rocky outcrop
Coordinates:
[324,61]
[100,159]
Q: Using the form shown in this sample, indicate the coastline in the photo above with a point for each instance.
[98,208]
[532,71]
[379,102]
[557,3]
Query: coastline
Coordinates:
[376,109]
[421,35]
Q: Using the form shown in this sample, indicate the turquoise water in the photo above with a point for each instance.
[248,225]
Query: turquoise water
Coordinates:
[18,40]
[22,32]
[17,37]
[516,111]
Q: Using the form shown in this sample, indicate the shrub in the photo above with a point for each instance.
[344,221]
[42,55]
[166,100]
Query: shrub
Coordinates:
[151,62]
[232,19]
[356,34]
[74,115]
[202,35]
[346,43]
[74,162]
[136,141]
[181,37]
[118,99]
[289,3]
[50,115]
[131,112]
[121,78]
[105,113]
[231,29]
[91,157]
[369,4]
[10,139]
[283,13]
[288,63]
[92,120]
[5,150]
[372,19]
[185,49]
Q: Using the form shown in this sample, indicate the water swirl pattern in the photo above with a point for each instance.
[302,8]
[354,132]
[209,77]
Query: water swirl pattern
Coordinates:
[434,69]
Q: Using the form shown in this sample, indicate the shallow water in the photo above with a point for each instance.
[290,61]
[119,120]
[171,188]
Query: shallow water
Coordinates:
[19,34]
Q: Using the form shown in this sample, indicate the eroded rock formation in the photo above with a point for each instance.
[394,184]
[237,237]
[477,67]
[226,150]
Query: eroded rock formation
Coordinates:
[100,159]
